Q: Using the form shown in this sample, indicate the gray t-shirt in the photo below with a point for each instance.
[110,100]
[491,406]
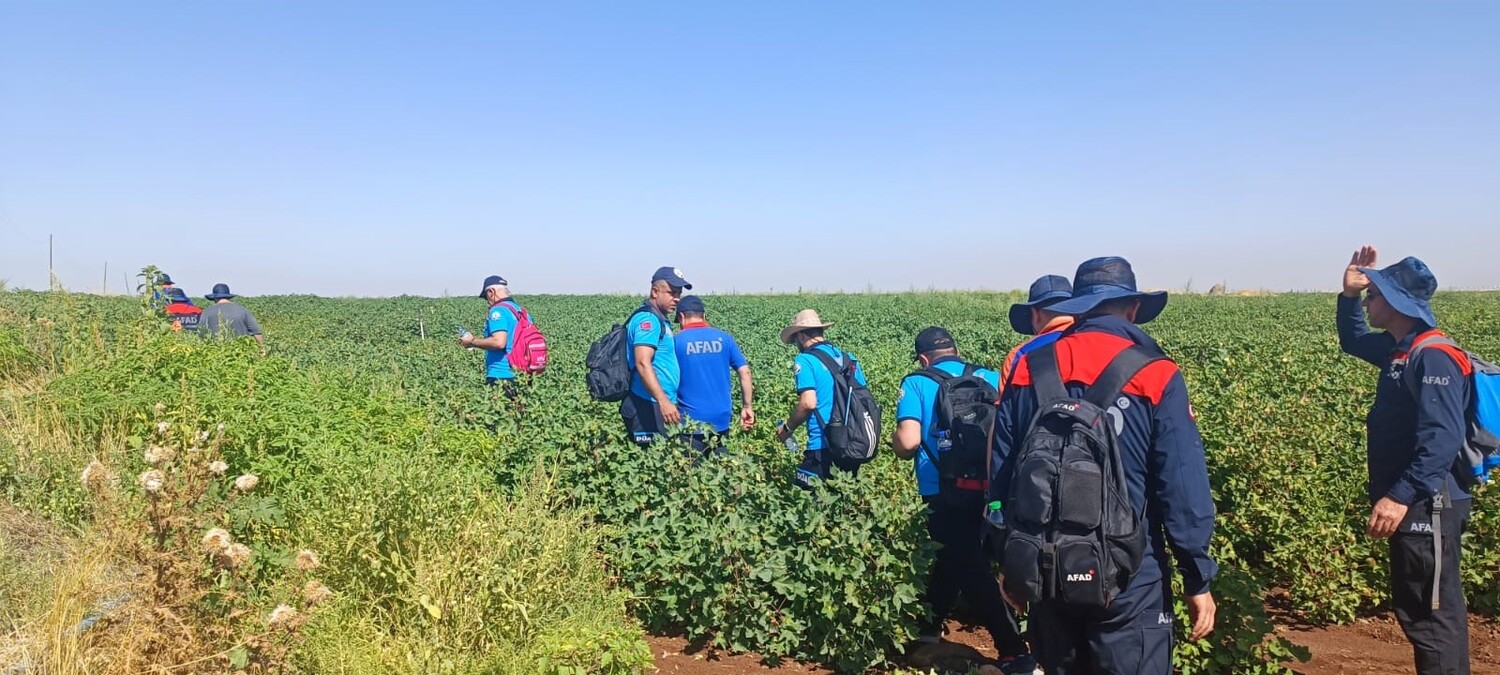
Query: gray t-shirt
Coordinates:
[230,317]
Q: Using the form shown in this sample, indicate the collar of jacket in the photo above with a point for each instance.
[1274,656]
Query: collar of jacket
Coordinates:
[1114,325]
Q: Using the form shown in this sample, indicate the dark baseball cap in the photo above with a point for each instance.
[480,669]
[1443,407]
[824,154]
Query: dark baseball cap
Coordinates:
[492,280]
[672,276]
[692,304]
[932,339]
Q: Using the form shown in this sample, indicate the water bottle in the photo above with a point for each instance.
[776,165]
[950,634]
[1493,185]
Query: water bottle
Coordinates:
[944,443]
[790,443]
[994,534]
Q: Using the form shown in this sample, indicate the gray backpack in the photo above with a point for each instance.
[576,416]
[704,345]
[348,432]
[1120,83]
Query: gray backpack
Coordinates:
[1072,535]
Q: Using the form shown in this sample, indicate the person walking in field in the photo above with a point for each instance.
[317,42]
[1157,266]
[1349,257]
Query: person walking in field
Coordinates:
[651,406]
[813,368]
[1099,463]
[181,311]
[943,417]
[1416,429]
[1033,318]
[706,356]
[227,318]
[499,338]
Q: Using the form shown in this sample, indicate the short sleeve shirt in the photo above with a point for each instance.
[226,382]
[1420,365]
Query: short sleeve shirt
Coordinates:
[230,317]
[648,327]
[707,358]
[918,402]
[501,319]
[811,375]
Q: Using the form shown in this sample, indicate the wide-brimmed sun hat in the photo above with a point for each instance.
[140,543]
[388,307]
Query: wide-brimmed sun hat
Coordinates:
[1045,292]
[1407,286]
[220,292]
[1109,278]
[801,321]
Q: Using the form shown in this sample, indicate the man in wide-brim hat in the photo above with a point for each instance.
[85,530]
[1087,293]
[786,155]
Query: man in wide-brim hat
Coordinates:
[1415,430]
[226,317]
[815,387]
[1159,447]
[1037,318]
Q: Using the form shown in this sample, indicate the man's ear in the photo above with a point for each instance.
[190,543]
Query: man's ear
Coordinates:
[1135,308]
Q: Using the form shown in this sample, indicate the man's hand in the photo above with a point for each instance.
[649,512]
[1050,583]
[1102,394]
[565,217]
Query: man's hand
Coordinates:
[1386,517]
[1019,607]
[783,432]
[1202,610]
[747,418]
[466,340]
[669,412]
[1355,281]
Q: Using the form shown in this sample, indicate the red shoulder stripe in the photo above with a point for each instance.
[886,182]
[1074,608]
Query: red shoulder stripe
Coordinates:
[1082,358]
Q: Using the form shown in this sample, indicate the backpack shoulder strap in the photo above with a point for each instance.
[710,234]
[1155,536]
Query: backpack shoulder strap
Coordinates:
[1440,341]
[515,309]
[662,320]
[834,367]
[1120,371]
[1045,375]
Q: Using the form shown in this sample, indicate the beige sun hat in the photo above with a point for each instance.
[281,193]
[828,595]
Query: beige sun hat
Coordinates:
[801,321]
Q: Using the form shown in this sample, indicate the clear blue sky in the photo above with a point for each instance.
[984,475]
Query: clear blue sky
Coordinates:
[376,149]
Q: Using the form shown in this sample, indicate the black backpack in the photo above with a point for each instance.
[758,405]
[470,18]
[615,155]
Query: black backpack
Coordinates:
[851,435]
[965,412]
[609,373]
[1072,535]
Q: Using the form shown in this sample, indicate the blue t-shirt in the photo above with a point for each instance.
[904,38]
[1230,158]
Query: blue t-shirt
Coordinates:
[918,402]
[649,328]
[707,357]
[811,375]
[502,318]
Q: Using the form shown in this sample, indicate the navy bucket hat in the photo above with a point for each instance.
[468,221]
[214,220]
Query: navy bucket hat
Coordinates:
[1407,286]
[1110,278]
[164,278]
[177,295]
[220,292]
[1044,293]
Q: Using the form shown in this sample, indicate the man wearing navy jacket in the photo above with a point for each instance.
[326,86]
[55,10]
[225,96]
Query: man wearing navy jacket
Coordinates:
[1415,429]
[1165,471]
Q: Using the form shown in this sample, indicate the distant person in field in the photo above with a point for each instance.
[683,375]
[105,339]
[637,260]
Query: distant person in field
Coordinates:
[226,318]
[1033,318]
[706,356]
[499,335]
[181,311]
[951,458]
[1104,389]
[815,387]
[651,406]
[164,285]
[1415,431]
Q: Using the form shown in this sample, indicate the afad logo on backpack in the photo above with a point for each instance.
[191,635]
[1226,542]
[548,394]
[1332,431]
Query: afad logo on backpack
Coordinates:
[1080,576]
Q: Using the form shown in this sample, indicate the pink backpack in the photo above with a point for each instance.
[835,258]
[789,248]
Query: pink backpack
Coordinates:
[528,353]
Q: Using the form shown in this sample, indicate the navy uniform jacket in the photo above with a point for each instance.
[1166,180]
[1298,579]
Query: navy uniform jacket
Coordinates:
[1413,440]
[1160,448]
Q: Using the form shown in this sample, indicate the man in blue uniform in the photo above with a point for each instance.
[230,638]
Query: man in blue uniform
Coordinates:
[814,387]
[1165,471]
[499,335]
[706,356]
[961,566]
[1415,430]
[651,406]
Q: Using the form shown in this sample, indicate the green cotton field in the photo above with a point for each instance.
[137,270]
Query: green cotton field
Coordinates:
[453,533]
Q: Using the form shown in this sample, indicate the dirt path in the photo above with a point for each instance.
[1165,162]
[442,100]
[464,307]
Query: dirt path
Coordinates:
[1373,645]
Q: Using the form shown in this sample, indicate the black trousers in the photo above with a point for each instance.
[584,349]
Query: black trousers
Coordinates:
[962,568]
[1439,638]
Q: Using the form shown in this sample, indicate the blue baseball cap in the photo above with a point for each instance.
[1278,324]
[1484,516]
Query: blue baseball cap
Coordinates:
[1408,286]
[1045,292]
[672,276]
[1109,278]
[492,280]
[691,304]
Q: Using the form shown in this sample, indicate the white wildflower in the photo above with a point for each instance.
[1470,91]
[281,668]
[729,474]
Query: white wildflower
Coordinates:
[157,454]
[95,475]
[307,560]
[246,482]
[217,467]
[236,555]
[152,481]
[160,407]
[221,427]
[315,593]
[162,427]
[202,436]
[283,614]
[217,540]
